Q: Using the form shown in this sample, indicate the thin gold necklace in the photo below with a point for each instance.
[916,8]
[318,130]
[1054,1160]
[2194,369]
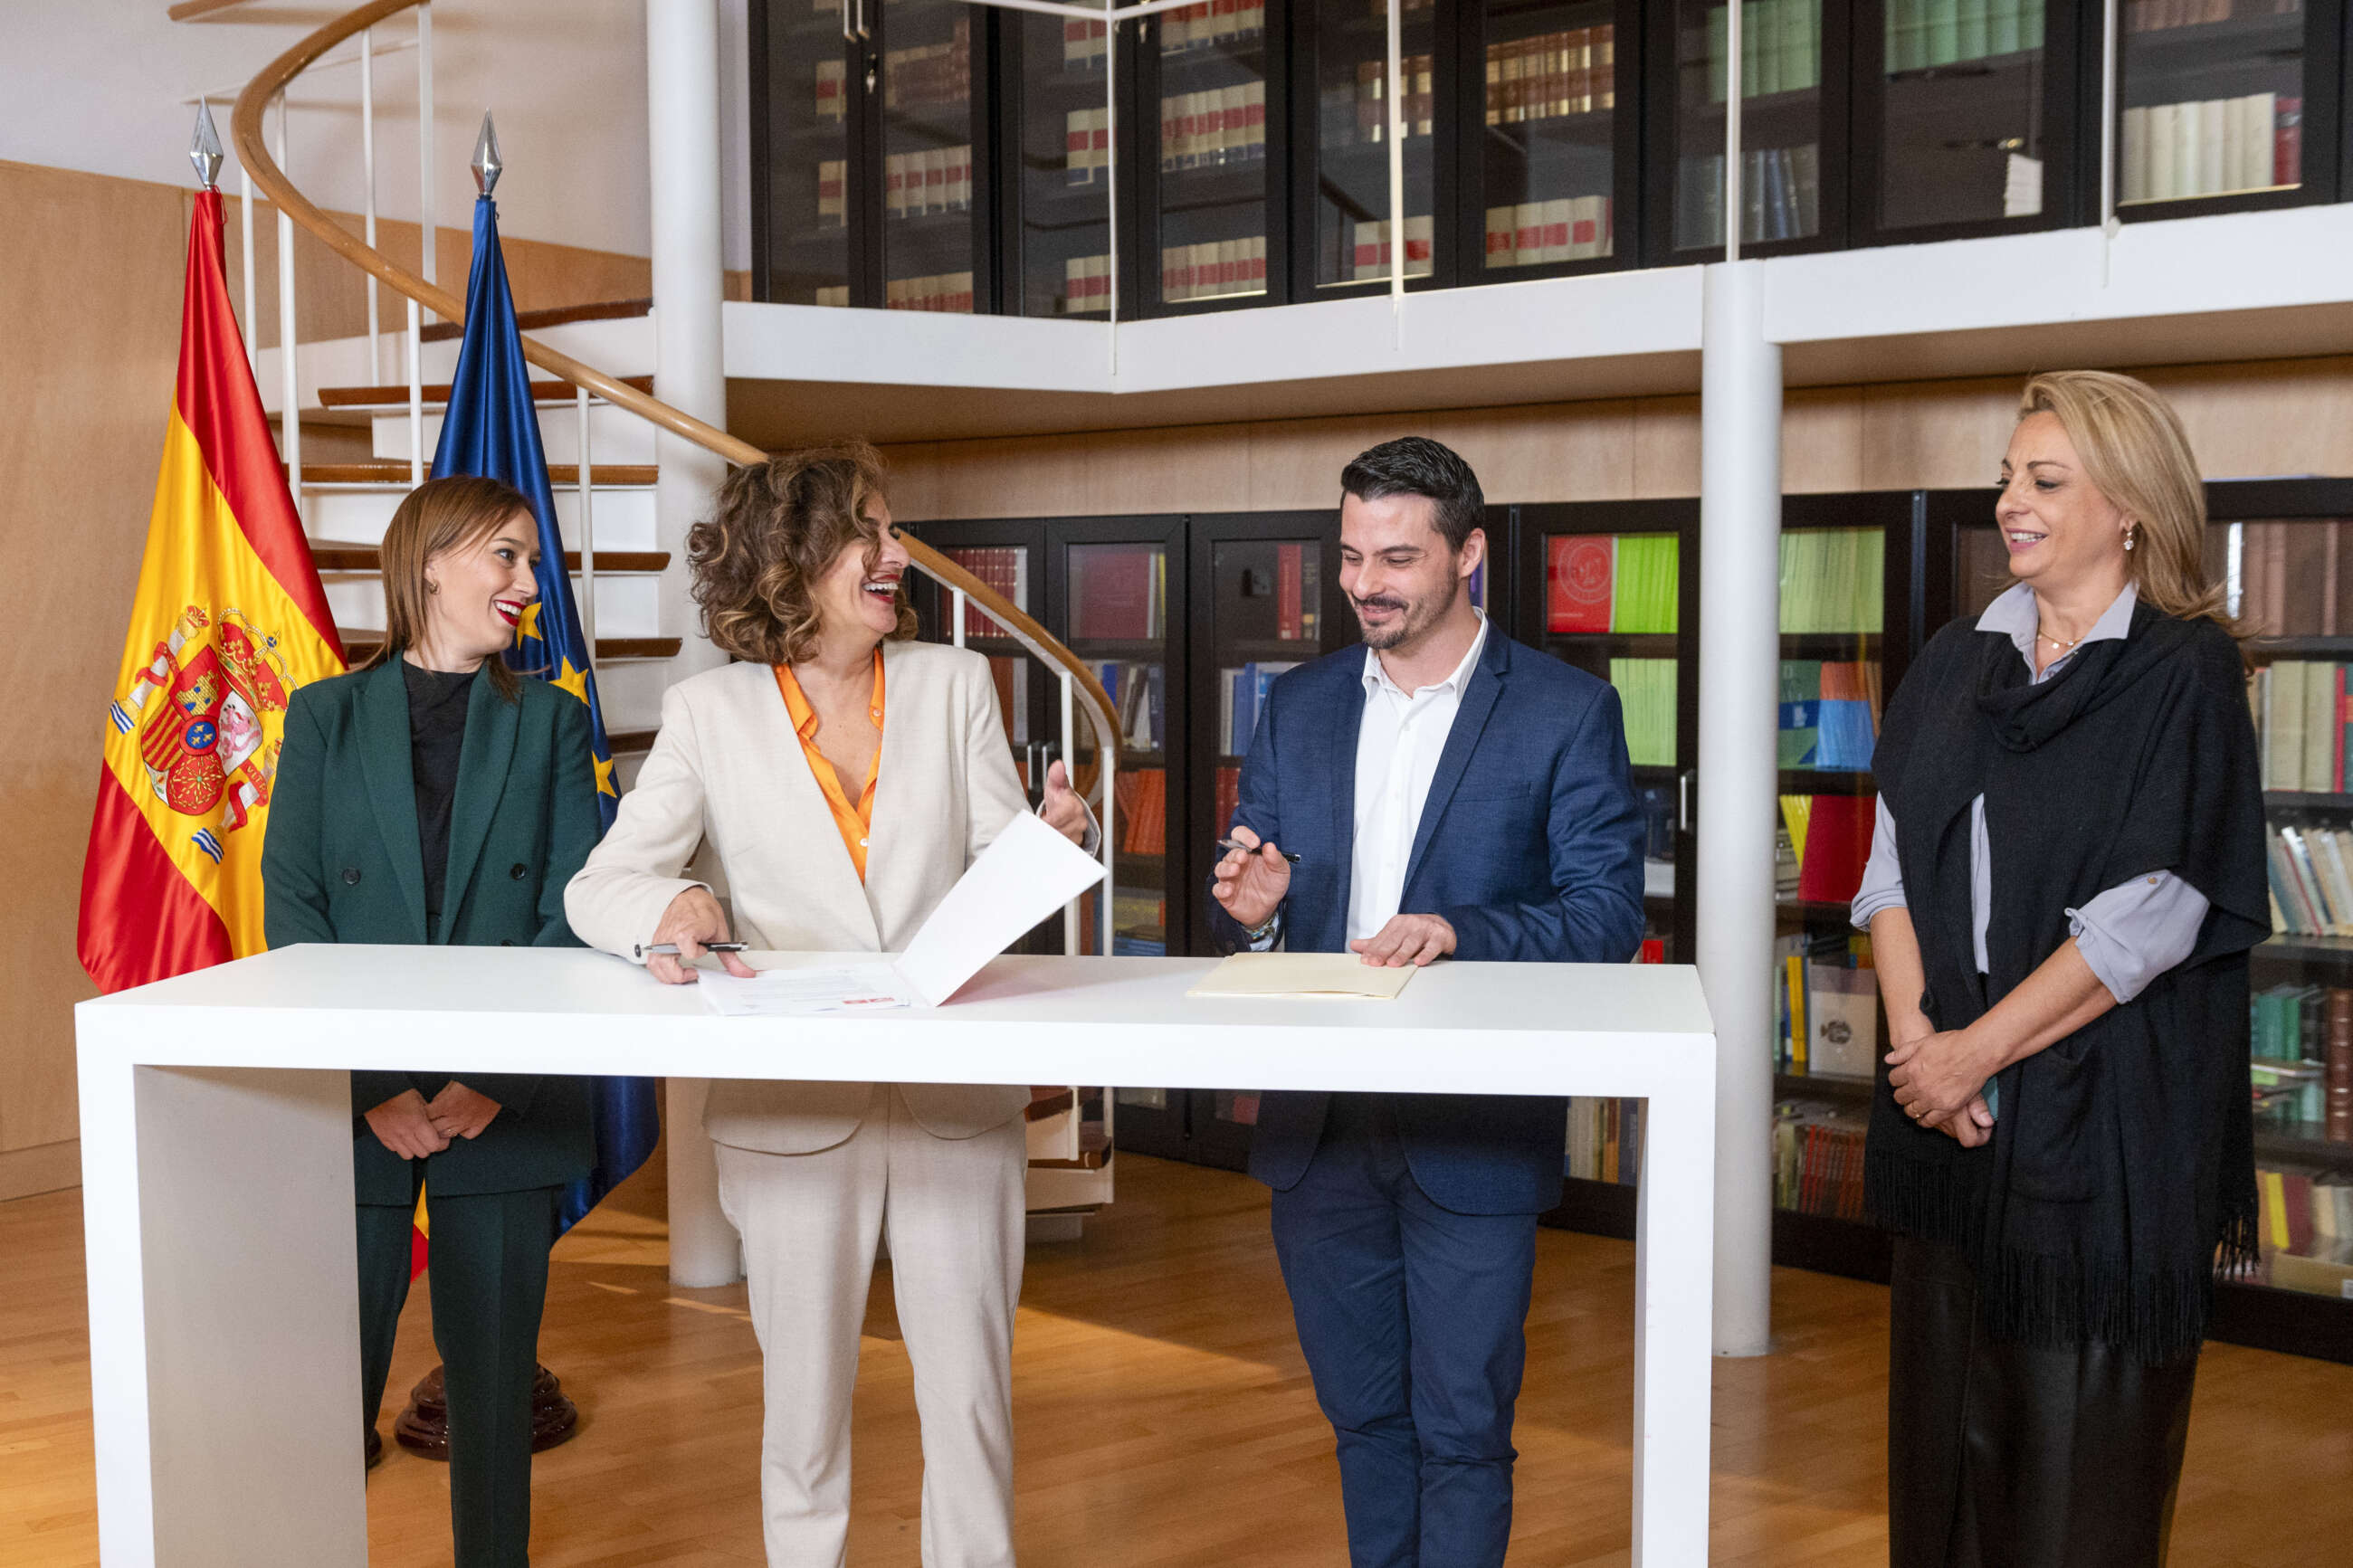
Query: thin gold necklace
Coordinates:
[2054,642]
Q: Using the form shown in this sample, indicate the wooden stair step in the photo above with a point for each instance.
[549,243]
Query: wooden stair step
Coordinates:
[395,471]
[332,555]
[358,645]
[1094,1152]
[562,315]
[437,393]
[623,742]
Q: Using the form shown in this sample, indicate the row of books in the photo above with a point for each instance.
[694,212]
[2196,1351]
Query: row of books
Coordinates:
[1369,124]
[2311,873]
[1830,714]
[1086,44]
[2300,1055]
[1605,1140]
[2304,1222]
[1216,125]
[1780,196]
[916,185]
[2289,575]
[1119,592]
[1242,696]
[1012,678]
[1538,234]
[1817,1158]
[2212,146]
[1139,913]
[1833,580]
[1552,75]
[1227,786]
[1003,567]
[1372,252]
[1086,285]
[1927,34]
[1207,25]
[946,292]
[1646,696]
[1139,694]
[1213,270]
[1612,583]
[1781,48]
[926,75]
[832,186]
[1142,795]
[1829,842]
[2157,15]
[836,294]
[1825,1005]
[1294,586]
[1086,147]
[2301,713]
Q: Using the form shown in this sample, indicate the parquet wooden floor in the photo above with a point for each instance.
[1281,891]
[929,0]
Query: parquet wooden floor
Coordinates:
[1163,1412]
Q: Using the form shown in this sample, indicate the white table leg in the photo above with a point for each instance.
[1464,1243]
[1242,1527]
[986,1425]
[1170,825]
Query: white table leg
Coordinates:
[224,1305]
[1674,1263]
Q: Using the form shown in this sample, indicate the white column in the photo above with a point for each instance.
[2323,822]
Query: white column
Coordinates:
[690,373]
[1740,604]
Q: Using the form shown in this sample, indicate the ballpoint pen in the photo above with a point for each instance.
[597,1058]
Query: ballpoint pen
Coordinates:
[671,948]
[1238,843]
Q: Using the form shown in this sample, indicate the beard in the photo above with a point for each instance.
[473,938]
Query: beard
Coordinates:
[1413,617]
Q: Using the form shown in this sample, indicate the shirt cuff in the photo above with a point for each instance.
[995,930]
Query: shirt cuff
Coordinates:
[2137,930]
[1871,902]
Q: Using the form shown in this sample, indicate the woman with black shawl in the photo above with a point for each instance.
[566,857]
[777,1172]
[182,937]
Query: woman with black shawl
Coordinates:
[2067,874]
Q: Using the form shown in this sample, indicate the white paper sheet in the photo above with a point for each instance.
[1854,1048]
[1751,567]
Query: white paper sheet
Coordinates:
[799,992]
[1313,974]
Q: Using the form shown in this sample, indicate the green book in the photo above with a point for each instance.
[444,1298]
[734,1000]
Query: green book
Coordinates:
[1944,32]
[2001,27]
[1645,596]
[1973,30]
[1807,42]
[2030,25]
[1646,694]
[1754,50]
[1719,34]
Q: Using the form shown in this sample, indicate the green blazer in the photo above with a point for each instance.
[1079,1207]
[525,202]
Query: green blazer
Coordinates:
[342,864]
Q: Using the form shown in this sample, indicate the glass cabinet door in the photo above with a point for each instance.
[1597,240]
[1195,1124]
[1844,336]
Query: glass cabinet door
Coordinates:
[2212,98]
[1548,150]
[1355,232]
[805,144]
[1116,619]
[1211,71]
[1965,101]
[931,236]
[1063,220]
[1782,121]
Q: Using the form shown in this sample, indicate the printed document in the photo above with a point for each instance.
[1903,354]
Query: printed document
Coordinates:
[1028,873]
[1335,974]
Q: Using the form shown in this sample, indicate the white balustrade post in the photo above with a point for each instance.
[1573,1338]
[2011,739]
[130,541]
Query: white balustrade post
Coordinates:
[427,235]
[415,394]
[955,610]
[368,176]
[587,535]
[690,373]
[1071,927]
[1739,595]
[290,416]
[1734,88]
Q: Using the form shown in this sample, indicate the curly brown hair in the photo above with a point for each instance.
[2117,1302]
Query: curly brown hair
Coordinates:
[779,528]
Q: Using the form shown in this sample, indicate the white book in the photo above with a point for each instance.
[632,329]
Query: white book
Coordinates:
[2021,189]
[2338,876]
[2262,116]
[2135,159]
[2164,147]
[1557,239]
[1233,124]
[2212,118]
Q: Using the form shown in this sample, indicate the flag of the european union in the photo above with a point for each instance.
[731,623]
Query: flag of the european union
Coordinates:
[492,429]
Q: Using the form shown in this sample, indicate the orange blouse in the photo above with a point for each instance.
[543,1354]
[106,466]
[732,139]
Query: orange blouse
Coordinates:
[855,822]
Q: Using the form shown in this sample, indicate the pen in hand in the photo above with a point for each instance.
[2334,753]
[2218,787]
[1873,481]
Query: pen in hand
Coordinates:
[1254,848]
[671,948]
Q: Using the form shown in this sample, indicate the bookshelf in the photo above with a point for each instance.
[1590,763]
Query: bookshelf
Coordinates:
[1056,120]
[1347,233]
[1210,103]
[803,95]
[2280,543]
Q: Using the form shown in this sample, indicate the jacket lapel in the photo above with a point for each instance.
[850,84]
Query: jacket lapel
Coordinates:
[1469,718]
[391,786]
[1347,719]
[482,764]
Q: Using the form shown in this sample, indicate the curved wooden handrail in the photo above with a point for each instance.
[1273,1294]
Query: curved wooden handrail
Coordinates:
[253,155]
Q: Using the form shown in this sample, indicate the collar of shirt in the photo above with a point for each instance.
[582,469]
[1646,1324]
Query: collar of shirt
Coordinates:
[855,821]
[2015,615]
[1376,677]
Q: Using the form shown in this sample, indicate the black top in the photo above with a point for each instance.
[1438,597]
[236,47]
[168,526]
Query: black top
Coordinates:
[2122,1161]
[438,700]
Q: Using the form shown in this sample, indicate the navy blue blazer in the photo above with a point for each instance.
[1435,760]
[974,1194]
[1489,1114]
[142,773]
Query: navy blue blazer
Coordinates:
[1530,846]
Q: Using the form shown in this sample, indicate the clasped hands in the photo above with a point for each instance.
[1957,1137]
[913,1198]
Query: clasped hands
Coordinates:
[1252,881]
[1939,1081]
[411,1128]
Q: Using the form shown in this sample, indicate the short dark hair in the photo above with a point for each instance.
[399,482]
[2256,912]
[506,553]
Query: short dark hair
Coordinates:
[1417,466]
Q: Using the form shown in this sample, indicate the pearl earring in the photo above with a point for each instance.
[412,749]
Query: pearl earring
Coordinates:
[2128,538]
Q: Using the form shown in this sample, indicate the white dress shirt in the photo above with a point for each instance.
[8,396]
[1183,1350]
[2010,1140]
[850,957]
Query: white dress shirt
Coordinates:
[1398,741]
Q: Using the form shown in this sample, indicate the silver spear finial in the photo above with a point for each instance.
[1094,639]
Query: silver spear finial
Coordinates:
[204,148]
[487,162]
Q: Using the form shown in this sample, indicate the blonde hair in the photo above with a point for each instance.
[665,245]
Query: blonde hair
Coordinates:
[2136,452]
[453,513]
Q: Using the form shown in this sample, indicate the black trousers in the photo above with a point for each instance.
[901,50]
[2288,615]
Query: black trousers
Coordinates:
[2005,1456]
[488,1277]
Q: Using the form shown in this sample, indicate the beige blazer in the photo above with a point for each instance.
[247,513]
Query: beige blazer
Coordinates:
[728,768]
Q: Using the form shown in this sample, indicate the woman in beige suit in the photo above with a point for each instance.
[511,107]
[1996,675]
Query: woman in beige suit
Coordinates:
[846,775]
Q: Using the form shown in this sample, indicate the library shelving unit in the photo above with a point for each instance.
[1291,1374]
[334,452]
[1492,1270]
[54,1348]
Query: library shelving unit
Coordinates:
[2227,105]
[1211,100]
[1793,128]
[1346,231]
[2285,548]
[1964,117]
[872,176]
[1056,127]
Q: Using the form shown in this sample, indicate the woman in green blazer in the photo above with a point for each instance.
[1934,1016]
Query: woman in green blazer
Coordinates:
[430,797]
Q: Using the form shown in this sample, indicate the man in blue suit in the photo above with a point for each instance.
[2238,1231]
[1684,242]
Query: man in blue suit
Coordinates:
[1448,793]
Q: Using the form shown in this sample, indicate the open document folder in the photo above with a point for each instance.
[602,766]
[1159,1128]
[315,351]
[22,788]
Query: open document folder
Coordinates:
[1026,875]
[1340,975]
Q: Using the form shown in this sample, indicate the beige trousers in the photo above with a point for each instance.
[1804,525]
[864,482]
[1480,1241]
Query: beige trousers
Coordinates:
[953,1211]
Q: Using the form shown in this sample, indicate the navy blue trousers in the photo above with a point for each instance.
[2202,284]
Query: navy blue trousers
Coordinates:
[1412,1318]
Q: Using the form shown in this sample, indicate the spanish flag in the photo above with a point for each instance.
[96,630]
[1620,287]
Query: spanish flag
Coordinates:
[229,619]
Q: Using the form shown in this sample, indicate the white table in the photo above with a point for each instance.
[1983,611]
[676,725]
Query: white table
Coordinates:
[216,1130]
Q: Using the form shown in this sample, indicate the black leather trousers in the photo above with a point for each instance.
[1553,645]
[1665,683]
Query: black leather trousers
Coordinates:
[2005,1456]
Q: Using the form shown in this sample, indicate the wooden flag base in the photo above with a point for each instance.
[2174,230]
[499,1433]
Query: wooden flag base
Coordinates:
[424,1427]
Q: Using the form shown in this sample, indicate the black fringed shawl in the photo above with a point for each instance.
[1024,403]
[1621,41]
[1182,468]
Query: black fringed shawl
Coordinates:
[2120,1169]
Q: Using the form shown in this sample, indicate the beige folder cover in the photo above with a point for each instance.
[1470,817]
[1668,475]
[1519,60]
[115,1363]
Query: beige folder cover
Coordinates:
[1340,975]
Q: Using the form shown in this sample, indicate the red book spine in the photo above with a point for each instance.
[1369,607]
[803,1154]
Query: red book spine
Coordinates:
[1580,573]
[2337,1074]
[2287,142]
[1287,592]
